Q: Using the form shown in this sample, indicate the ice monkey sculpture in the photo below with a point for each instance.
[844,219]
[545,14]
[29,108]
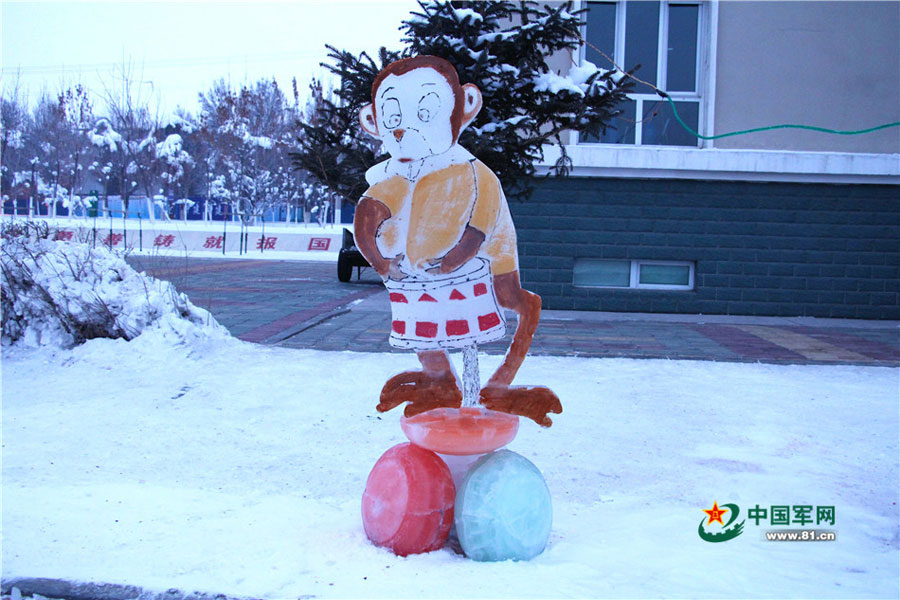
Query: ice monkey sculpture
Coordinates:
[434,223]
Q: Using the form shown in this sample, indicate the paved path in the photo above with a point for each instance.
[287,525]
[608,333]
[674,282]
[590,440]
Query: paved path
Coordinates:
[303,305]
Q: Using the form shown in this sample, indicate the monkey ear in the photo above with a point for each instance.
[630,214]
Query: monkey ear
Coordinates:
[472,103]
[367,120]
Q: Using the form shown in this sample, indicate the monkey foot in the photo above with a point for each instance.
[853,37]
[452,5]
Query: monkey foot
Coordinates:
[421,391]
[524,401]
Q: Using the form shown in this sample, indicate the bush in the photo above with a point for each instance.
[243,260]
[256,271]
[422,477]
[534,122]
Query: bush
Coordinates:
[63,293]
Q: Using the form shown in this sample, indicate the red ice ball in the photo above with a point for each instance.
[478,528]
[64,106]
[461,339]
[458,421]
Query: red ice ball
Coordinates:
[408,502]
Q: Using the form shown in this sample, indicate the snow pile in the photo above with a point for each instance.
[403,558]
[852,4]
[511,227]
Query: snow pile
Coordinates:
[62,293]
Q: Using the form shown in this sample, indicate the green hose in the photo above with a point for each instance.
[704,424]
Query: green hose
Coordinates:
[771,127]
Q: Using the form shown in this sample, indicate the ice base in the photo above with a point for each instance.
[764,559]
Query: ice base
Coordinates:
[503,509]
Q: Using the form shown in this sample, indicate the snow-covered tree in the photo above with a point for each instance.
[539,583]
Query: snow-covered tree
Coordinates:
[316,201]
[503,48]
[331,146]
[173,159]
[106,142]
[133,114]
[78,116]
[249,131]
[194,170]
[48,141]
[15,123]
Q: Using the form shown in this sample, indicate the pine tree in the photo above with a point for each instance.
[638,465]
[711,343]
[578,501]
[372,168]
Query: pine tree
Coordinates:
[503,48]
[332,147]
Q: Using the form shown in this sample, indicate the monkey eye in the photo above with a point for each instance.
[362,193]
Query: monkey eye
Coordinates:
[391,115]
[428,106]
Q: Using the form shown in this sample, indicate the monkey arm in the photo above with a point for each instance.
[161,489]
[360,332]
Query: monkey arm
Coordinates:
[464,250]
[370,214]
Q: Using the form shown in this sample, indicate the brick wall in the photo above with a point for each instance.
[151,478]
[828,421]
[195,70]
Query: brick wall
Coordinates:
[781,249]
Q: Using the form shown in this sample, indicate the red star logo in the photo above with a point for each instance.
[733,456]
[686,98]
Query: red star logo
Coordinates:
[715,514]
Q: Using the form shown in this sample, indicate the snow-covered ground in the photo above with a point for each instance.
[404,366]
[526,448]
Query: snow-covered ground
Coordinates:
[234,468]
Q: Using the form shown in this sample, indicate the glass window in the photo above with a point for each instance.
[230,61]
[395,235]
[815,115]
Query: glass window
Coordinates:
[620,130]
[662,129]
[642,39]
[659,274]
[662,37]
[602,273]
[681,74]
[633,274]
[601,22]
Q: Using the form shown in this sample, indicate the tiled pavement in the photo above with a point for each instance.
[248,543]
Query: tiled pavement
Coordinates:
[302,305]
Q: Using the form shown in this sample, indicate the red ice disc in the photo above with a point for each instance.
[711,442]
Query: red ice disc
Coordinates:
[408,502]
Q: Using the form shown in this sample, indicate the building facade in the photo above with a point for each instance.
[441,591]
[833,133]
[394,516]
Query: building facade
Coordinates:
[786,221]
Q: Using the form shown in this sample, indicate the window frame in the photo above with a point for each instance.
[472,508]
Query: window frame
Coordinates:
[635,272]
[704,76]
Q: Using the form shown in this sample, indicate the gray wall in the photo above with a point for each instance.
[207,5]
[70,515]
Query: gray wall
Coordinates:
[782,249]
[830,64]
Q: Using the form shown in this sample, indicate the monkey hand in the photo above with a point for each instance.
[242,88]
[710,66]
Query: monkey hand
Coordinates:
[524,401]
[393,270]
[436,266]
[461,253]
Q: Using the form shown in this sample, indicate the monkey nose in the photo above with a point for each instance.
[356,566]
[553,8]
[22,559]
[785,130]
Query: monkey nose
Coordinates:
[398,134]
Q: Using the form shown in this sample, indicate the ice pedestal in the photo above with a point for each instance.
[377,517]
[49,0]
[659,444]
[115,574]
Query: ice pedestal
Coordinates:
[500,499]
[503,509]
[461,436]
[461,431]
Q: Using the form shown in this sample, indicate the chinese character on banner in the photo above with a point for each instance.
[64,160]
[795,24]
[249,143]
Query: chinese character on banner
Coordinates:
[214,241]
[63,236]
[825,514]
[113,239]
[319,243]
[270,243]
[164,241]
[781,515]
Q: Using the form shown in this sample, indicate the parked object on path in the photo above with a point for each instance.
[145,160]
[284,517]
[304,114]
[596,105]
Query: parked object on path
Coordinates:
[349,256]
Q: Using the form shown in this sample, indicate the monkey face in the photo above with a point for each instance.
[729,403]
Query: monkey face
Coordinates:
[413,113]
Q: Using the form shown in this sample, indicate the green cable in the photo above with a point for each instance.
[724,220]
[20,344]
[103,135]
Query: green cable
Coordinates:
[758,129]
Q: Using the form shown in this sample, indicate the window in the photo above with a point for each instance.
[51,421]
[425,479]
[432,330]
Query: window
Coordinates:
[633,274]
[664,38]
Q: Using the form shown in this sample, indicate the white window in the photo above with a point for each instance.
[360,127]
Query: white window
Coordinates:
[669,39]
[633,274]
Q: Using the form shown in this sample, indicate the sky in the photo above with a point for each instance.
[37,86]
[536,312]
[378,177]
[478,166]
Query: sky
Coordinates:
[174,50]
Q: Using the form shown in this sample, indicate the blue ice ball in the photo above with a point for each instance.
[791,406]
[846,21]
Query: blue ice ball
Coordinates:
[503,509]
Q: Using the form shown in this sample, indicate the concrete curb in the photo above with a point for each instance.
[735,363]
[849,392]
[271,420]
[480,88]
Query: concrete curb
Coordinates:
[70,590]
